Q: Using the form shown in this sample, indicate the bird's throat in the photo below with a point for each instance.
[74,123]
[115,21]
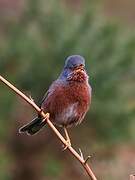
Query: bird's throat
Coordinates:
[78,76]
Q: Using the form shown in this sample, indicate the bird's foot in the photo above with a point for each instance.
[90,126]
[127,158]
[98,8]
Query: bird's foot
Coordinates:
[68,144]
[47,117]
[41,110]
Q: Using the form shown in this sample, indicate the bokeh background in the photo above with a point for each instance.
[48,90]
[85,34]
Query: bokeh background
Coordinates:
[35,38]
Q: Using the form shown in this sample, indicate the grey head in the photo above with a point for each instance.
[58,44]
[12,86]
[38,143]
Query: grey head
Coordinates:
[72,63]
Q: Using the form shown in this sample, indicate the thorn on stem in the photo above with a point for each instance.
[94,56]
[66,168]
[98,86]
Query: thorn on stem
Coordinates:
[81,154]
[87,159]
[31,98]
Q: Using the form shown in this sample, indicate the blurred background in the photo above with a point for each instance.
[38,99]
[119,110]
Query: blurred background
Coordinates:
[35,38]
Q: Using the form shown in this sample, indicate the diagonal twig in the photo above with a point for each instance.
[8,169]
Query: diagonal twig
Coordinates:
[46,117]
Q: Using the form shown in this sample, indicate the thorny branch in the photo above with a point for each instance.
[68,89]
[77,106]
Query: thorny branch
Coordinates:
[80,157]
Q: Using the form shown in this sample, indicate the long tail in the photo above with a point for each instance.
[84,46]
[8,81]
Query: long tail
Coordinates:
[33,127]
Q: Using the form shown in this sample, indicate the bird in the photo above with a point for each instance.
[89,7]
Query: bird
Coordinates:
[67,100]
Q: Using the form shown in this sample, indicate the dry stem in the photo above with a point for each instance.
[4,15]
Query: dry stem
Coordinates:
[46,117]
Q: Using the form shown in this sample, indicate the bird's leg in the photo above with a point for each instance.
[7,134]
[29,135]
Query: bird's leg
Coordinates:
[67,139]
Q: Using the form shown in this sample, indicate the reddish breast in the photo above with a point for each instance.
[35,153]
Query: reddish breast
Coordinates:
[68,102]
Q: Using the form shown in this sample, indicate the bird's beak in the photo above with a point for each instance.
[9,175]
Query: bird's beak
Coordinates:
[79,68]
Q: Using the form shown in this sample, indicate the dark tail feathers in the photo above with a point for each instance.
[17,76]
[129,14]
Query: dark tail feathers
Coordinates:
[33,127]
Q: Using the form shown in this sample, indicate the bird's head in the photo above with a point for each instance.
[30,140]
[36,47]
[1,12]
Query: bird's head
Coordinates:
[74,69]
[75,63]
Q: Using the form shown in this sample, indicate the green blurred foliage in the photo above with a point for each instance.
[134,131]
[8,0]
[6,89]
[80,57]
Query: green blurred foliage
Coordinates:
[35,47]
[53,167]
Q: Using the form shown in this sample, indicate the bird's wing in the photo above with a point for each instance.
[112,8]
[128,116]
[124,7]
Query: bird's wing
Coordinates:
[41,102]
[51,89]
[45,96]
